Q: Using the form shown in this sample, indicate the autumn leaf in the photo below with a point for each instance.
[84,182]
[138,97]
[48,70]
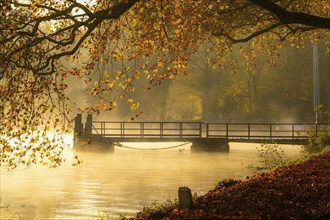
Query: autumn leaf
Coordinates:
[102,106]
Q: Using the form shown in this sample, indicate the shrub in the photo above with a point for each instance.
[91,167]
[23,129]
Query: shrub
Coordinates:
[318,143]
[270,155]
[225,183]
[155,210]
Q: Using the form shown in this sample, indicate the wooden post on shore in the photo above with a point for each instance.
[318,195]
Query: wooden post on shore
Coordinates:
[185,198]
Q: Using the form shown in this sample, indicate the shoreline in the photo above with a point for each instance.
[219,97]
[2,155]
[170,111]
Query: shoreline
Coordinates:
[296,191]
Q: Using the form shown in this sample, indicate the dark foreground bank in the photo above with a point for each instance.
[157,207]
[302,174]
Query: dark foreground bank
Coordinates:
[298,191]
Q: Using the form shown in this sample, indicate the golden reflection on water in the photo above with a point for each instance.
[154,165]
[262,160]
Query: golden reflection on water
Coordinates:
[123,181]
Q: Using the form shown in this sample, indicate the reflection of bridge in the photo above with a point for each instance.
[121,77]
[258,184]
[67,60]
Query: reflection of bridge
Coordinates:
[203,136]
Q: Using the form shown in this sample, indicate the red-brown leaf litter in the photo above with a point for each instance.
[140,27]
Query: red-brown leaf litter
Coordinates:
[297,191]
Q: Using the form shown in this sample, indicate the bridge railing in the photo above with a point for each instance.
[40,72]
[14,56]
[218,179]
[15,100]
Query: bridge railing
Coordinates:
[147,129]
[244,131]
[263,131]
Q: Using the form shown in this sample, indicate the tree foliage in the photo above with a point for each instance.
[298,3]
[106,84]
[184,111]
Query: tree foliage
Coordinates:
[109,44]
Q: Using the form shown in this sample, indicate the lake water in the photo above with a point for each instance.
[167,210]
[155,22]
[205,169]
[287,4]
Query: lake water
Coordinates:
[119,182]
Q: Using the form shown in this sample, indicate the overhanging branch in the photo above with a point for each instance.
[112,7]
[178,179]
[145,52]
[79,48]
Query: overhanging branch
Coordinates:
[288,17]
[246,39]
[32,35]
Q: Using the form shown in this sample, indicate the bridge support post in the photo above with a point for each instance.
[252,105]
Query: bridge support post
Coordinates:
[210,144]
[78,125]
[89,124]
[78,131]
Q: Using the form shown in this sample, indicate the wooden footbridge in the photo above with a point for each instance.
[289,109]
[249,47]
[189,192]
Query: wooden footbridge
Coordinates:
[103,135]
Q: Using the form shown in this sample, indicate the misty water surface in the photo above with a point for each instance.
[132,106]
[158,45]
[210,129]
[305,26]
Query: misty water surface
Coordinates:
[119,182]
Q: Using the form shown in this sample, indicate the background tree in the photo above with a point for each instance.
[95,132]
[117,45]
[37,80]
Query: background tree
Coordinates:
[267,89]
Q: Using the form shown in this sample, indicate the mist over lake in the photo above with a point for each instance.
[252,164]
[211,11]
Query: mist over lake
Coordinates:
[119,182]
